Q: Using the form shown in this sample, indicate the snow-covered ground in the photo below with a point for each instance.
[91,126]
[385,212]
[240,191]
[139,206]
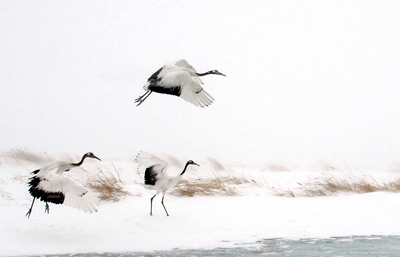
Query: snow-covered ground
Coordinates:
[194,222]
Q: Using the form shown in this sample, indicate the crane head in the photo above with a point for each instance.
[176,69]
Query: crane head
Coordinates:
[217,73]
[91,155]
[192,162]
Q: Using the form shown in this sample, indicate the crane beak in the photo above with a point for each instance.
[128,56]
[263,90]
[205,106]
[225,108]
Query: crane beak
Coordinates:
[94,156]
[219,73]
[196,164]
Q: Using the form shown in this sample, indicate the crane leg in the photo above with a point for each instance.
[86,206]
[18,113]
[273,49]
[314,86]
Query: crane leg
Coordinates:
[141,99]
[30,209]
[162,202]
[47,208]
[151,205]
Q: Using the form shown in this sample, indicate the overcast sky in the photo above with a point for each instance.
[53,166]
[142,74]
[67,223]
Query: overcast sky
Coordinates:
[306,80]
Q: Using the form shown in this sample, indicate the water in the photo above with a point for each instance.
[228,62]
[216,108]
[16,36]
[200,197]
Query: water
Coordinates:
[336,246]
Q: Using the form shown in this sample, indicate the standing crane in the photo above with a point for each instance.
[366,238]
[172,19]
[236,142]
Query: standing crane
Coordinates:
[156,176]
[50,185]
[180,79]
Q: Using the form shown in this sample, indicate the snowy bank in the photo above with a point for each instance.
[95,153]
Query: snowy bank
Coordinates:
[195,222]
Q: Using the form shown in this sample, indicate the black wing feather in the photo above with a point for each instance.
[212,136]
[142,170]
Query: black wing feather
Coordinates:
[45,196]
[165,90]
[150,175]
[155,75]
[35,171]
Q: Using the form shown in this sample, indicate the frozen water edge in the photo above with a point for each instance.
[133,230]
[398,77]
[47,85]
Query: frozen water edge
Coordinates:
[336,246]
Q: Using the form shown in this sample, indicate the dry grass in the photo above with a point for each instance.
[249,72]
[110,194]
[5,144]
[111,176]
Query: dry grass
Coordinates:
[20,156]
[329,185]
[109,187]
[218,185]
[278,191]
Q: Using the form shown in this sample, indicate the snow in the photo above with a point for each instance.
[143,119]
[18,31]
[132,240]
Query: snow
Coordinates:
[197,222]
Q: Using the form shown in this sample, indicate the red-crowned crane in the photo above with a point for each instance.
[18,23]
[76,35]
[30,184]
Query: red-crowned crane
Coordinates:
[156,176]
[180,79]
[50,185]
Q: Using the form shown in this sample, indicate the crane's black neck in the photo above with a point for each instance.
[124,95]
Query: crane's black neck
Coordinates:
[184,169]
[205,73]
[79,163]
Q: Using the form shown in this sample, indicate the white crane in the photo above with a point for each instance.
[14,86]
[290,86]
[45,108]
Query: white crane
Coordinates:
[156,176]
[50,185]
[180,79]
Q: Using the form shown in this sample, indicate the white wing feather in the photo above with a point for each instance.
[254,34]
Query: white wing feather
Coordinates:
[53,168]
[191,91]
[180,65]
[194,93]
[76,195]
[183,63]
[88,202]
[145,160]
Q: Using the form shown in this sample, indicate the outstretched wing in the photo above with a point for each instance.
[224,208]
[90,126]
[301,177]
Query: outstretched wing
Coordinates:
[75,194]
[146,160]
[180,65]
[181,84]
[152,165]
[184,64]
[199,98]
[51,169]
[194,93]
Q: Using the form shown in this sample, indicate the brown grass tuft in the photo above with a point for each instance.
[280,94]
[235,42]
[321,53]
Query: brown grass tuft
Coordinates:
[394,185]
[108,186]
[331,185]
[287,192]
[218,185]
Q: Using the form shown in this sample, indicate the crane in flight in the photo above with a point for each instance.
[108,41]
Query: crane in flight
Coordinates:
[180,79]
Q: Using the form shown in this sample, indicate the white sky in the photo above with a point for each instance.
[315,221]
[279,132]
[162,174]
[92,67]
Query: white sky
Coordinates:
[306,80]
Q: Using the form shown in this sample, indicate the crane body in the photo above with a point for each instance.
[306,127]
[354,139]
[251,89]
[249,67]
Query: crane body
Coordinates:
[156,176]
[51,186]
[180,79]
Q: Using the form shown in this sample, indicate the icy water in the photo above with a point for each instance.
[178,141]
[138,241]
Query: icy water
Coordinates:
[336,246]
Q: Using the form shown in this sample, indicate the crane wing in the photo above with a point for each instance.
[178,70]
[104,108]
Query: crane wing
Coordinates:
[150,164]
[180,65]
[76,195]
[184,64]
[181,84]
[53,168]
[155,75]
[146,160]
[194,93]
[153,167]
[88,202]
